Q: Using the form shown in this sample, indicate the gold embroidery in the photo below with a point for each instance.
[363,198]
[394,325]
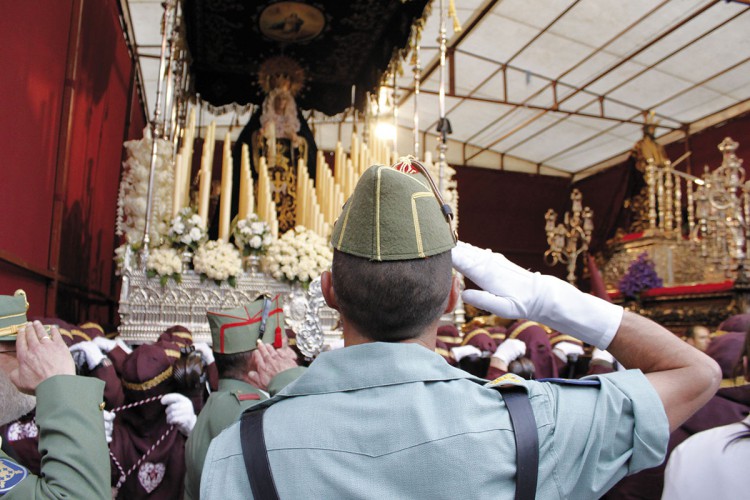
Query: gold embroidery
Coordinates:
[473,334]
[523,326]
[148,384]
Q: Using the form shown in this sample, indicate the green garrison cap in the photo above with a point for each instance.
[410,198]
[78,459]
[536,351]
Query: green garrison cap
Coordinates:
[12,314]
[392,215]
[238,330]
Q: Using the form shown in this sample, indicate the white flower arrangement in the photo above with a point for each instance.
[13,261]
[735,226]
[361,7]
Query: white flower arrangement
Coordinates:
[219,261]
[186,230]
[166,263]
[252,236]
[300,255]
[119,258]
[132,199]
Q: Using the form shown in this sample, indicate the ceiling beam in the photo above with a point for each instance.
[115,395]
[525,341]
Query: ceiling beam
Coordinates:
[473,23]
[513,57]
[553,108]
[601,75]
[642,71]
[575,66]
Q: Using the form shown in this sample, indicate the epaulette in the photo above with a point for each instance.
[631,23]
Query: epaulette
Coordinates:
[505,380]
[572,381]
[250,396]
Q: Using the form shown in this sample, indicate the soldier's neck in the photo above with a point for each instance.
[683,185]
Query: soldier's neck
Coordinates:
[352,336]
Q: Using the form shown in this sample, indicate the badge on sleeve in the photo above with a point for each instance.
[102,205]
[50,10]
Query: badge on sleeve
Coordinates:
[10,475]
[506,380]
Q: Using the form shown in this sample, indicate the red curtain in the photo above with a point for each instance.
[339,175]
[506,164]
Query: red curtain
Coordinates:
[505,211]
[34,47]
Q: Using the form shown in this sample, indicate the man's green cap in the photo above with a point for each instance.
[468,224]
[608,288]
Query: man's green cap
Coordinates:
[238,330]
[392,215]
[12,315]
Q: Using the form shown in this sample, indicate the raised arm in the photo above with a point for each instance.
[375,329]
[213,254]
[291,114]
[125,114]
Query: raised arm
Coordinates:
[75,460]
[684,378]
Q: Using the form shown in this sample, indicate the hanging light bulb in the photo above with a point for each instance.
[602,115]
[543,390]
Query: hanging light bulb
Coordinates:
[385,131]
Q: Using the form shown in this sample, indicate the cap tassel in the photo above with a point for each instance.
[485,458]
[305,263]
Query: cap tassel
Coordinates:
[277,342]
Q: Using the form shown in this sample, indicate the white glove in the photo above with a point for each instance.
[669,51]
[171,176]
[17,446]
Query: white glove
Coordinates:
[206,353]
[94,355]
[513,292]
[180,412]
[125,347]
[105,344]
[465,350]
[602,356]
[510,350]
[563,350]
[109,424]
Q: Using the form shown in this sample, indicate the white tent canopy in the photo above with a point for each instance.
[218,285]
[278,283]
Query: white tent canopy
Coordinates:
[557,87]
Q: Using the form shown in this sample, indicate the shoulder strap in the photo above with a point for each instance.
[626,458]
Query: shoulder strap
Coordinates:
[522,419]
[255,454]
[527,440]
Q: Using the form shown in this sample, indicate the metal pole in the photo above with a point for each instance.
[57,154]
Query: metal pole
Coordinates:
[442,137]
[395,116]
[417,78]
[156,130]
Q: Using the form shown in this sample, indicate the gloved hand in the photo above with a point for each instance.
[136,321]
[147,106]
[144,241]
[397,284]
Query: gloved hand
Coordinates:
[601,355]
[206,352]
[106,345]
[509,350]
[463,351]
[513,292]
[109,424]
[563,350]
[180,412]
[93,354]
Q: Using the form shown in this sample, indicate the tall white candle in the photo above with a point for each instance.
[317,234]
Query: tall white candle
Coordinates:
[178,185]
[225,200]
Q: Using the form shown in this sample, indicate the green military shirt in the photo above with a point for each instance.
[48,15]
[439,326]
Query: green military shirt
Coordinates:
[222,409]
[383,420]
[75,457]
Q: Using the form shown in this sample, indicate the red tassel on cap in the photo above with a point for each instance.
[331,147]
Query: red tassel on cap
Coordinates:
[277,341]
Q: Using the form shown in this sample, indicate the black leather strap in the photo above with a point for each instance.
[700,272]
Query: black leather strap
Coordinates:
[255,455]
[527,440]
[522,419]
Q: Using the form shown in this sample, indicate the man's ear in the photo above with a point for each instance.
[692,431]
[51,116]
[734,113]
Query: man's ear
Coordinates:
[454,294]
[326,285]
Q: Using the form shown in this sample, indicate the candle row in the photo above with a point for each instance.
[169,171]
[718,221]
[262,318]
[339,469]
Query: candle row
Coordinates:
[183,162]
[266,205]
[182,180]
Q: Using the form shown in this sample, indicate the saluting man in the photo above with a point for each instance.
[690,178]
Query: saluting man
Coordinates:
[387,417]
[249,352]
[68,411]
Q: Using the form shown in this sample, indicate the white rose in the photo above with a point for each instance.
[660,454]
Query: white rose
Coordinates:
[195,234]
[256,241]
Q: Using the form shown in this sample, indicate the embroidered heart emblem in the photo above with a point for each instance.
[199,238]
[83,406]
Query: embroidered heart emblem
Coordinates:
[18,431]
[150,475]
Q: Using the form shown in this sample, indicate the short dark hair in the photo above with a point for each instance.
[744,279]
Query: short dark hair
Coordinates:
[391,301]
[235,365]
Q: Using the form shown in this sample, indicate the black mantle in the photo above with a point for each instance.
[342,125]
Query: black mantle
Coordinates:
[357,41]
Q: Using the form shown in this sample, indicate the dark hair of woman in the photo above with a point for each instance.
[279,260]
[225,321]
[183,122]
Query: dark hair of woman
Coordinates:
[189,373]
[523,367]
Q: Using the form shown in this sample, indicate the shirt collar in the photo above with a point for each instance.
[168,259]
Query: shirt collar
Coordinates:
[232,385]
[372,365]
